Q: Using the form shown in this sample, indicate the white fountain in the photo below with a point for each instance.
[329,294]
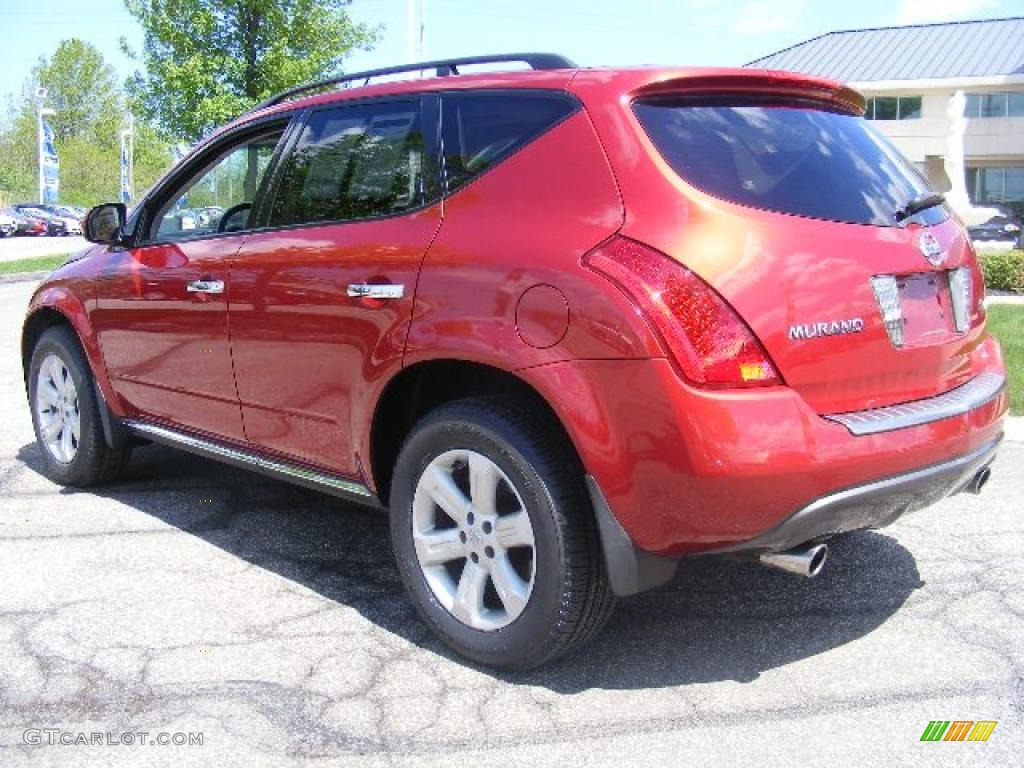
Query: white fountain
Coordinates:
[956,168]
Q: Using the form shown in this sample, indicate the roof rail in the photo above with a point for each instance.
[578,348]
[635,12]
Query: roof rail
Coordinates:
[443,67]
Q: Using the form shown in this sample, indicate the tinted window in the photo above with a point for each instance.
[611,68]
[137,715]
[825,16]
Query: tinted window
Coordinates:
[353,163]
[993,105]
[227,187]
[1002,104]
[791,159]
[909,107]
[886,108]
[1014,190]
[972,105]
[996,185]
[893,108]
[1015,104]
[481,129]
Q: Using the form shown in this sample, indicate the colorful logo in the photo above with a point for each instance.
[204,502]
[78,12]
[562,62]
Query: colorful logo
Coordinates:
[959,730]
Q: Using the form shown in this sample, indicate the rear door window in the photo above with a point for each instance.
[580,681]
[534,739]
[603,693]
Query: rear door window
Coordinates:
[788,158]
[482,128]
[353,162]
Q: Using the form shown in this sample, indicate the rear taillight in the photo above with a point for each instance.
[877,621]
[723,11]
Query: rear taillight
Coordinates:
[977,308]
[708,340]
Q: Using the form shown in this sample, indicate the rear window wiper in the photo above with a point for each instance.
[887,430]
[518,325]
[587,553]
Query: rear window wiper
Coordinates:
[919,204]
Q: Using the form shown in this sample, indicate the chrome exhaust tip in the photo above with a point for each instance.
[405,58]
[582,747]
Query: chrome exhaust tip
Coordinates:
[976,483]
[806,561]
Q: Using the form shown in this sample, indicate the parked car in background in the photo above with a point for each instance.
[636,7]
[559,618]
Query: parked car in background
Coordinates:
[25,224]
[1004,227]
[71,217]
[181,220]
[8,226]
[56,226]
[564,326]
[209,216]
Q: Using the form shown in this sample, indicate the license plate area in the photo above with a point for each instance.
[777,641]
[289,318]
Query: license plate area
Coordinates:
[926,308]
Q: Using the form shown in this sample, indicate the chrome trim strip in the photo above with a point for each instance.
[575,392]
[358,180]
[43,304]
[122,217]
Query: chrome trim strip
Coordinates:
[967,397]
[205,286]
[293,472]
[367,291]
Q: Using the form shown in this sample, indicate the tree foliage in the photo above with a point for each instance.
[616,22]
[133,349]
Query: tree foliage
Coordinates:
[83,90]
[91,113]
[206,61]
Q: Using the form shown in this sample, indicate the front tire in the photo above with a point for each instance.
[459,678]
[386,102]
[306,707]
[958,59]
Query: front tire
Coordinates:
[494,535]
[66,416]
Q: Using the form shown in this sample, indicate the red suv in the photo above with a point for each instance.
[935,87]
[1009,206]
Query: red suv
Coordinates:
[567,325]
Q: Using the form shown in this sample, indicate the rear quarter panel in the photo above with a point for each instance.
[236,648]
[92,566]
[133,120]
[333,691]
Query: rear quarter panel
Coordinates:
[527,222]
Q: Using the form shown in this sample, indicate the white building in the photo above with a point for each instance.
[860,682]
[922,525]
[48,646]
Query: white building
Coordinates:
[913,77]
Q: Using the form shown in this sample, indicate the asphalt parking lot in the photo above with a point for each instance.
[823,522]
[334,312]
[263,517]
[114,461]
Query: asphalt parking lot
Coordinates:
[196,598]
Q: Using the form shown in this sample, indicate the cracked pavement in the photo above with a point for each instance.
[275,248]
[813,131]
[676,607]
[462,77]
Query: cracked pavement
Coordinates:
[194,597]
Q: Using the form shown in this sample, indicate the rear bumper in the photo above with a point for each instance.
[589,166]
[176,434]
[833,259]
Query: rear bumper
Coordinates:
[687,471]
[873,505]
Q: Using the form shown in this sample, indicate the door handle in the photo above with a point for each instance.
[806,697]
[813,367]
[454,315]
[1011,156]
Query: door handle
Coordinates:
[381,291]
[205,286]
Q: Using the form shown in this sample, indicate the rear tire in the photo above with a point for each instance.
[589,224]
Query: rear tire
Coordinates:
[507,570]
[66,415]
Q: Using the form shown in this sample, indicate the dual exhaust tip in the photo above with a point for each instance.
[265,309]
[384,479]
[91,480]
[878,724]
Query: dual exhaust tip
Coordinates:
[976,483]
[808,560]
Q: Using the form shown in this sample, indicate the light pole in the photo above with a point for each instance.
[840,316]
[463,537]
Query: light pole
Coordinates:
[423,30]
[41,112]
[410,30]
[128,161]
[415,29]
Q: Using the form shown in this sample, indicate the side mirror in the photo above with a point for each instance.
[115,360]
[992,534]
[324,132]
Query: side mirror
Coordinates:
[105,223]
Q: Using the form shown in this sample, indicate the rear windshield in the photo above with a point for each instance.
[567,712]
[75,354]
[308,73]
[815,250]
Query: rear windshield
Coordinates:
[792,159]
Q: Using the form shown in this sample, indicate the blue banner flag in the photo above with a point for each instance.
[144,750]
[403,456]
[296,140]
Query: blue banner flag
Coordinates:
[51,166]
[126,168]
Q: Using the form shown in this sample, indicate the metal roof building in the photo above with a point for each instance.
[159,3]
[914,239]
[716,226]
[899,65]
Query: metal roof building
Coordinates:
[949,96]
[923,52]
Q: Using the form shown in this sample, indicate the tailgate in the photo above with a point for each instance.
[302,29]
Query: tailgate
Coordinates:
[864,292]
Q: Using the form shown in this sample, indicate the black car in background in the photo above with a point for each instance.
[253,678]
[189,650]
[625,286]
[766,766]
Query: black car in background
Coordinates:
[1004,227]
[55,225]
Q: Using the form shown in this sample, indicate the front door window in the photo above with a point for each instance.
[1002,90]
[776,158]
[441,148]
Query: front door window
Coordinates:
[219,198]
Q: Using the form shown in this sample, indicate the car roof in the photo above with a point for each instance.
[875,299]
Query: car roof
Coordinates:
[557,79]
[598,83]
[618,80]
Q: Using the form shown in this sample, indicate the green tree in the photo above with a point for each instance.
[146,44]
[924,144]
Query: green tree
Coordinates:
[82,88]
[91,112]
[206,61]
[18,153]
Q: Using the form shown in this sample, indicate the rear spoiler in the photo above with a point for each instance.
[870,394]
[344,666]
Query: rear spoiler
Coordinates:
[760,82]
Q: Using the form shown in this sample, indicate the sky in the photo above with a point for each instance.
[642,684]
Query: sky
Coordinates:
[591,32]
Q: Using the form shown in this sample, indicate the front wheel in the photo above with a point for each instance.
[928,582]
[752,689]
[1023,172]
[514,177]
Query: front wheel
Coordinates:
[65,414]
[494,535]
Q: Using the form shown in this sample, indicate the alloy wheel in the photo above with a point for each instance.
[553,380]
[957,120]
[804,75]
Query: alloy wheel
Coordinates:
[57,414]
[473,539]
